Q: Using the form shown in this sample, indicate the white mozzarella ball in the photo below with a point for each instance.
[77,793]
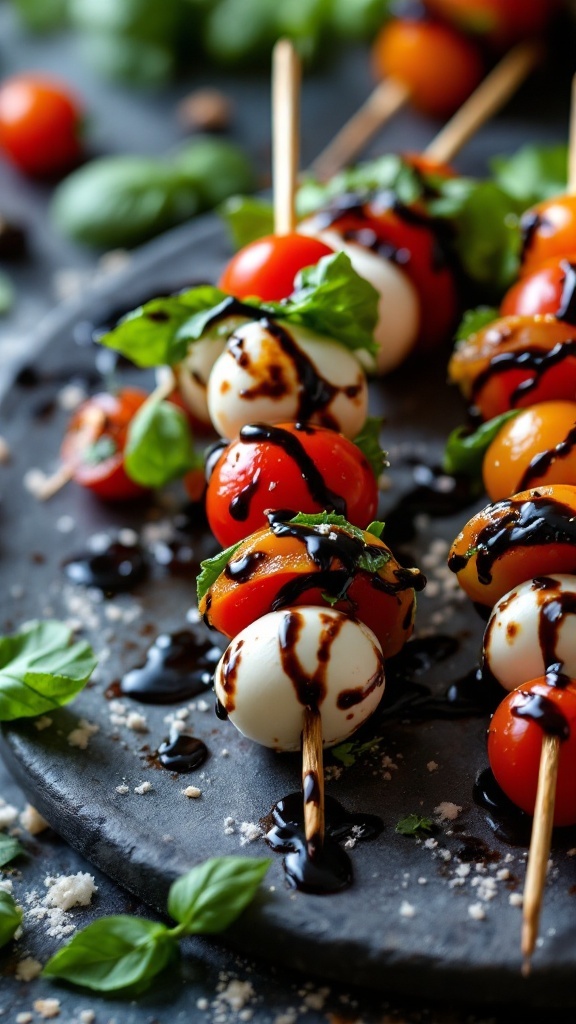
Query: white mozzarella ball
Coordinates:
[532,628]
[399,306]
[262,677]
[271,376]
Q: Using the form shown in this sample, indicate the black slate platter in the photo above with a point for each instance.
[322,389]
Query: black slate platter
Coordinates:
[405,924]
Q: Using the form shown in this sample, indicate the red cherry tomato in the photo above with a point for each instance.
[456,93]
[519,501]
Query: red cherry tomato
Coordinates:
[543,290]
[94,444]
[293,466]
[503,22]
[439,65]
[267,267]
[549,230]
[39,124]
[515,744]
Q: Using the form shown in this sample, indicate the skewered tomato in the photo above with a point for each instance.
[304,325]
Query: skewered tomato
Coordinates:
[549,230]
[536,447]
[531,534]
[310,468]
[39,124]
[515,362]
[515,743]
[549,289]
[267,267]
[439,66]
[286,564]
[94,443]
[504,22]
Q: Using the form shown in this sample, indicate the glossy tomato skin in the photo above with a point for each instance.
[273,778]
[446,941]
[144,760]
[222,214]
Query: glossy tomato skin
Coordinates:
[439,65]
[528,535]
[549,230]
[267,267]
[502,22]
[39,124]
[103,420]
[515,745]
[252,476]
[543,290]
[536,447]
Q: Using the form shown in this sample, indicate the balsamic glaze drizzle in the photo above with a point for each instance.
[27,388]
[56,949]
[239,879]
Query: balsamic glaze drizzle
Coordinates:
[542,462]
[178,666]
[182,752]
[536,361]
[116,568]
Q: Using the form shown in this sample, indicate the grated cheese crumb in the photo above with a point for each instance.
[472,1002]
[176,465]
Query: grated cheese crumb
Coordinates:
[432,766]
[191,791]
[515,899]
[67,891]
[407,909]
[144,787]
[87,1017]
[237,994]
[123,789]
[137,722]
[8,814]
[249,832]
[47,1008]
[476,912]
[80,737]
[28,969]
[24,1018]
[32,821]
[447,811]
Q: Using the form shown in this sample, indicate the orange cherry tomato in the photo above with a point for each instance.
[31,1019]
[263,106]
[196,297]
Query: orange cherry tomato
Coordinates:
[304,467]
[267,267]
[427,165]
[439,65]
[549,229]
[94,443]
[39,124]
[503,22]
[536,447]
[531,534]
[268,571]
[515,744]
[515,362]
[549,289]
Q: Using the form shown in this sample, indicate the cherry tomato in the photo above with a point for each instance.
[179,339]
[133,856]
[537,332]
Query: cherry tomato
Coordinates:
[515,744]
[39,124]
[515,362]
[545,290]
[531,534]
[94,444]
[536,447]
[549,230]
[439,66]
[428,165]
[503,22]
[264,564]
[267,267]
[287,466]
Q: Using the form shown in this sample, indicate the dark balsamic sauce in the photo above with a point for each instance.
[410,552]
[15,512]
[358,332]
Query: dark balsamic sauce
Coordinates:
[506,820]
[436,494]
[542,462]
[540,709]
[329,870]
[182,752]
[178,666]
[239,507]
[536,362]
[117,568]
[567,309]
[242,569]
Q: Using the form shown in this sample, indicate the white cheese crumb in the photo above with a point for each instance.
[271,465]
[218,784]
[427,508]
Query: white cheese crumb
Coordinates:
[476,912]
[447,811]
[572,852]
[192,791]
[65,524]
[47,1008]
[515,899]
[8,814]
[70,397]
[137,722]
[432,766]
[407,909]
[463,870]
[67,891]
[28,969]
[422,881]
[144,787]
[87,1017]
[502,874]
[202,705]
[33,821]
[80,737]
[24,1018]
[128,537]
[249,832]
[430,843]
[123,789]
[237,993]
[202,1004]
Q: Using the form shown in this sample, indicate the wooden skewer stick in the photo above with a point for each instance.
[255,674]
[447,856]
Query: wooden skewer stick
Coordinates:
[492,93]
[539,847]
[286,74]
[313,781]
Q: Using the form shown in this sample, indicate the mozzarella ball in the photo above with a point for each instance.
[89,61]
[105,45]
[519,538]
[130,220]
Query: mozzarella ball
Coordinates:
[278,373]
[399,306]
[296,657]
[531,629]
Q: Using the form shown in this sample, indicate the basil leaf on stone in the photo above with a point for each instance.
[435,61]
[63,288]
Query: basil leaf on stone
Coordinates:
[10,917]
[217,168]
[211,568]
[114,953]
[40,669]
[159,445]
[465,451]
[368,441]
[533,173]
[213,894]
[10,848]
[474,320]
[413,825]
[247,219]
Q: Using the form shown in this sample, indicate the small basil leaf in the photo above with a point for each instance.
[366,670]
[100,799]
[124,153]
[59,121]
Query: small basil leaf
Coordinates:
[10,848]
[464,452]
[474,320]
[388,173]
[159,445]
[533,173]
[376,528]
[10,917]
[114,953]
[211,568]
[413,824]
[216,168]
[348,753]
[314,519]
[40,669]
[247,219]
[213,894]
[368,441]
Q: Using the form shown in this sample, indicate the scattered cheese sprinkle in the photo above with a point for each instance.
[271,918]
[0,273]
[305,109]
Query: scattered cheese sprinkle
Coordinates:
[447,811]
[32,821]
[28,969]
[192,791]
[47,1008]
[476,912]
[407,909]
[67,891]
[144,787]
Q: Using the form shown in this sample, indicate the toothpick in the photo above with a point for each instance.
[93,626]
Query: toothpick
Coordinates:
[492,93]
[286,74]
[313,781]
[539,847]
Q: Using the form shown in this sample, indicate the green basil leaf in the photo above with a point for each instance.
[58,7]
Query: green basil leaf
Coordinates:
[155,334]
[413,825]
[217,169]
[10,917]
[42,15]
[159,445]
[314,519]
[376,528]
[386,173]
[247,219]
[533,173]
[213,894]
[211,568]
[10,848]
[114,953]
[40,669]
[474,320]
[368,441]
[348,753]
[464,452]
[6,294]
